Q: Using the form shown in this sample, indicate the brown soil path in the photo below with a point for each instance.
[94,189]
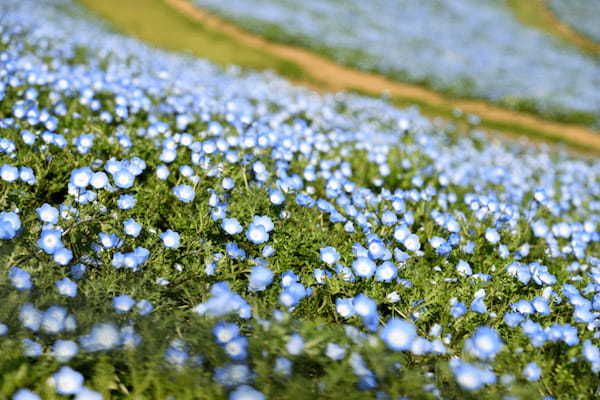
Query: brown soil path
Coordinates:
[338,78]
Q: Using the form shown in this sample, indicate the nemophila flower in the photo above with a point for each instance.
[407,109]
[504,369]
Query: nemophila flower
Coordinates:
[412,243]
[363,267]
[329,255]
[257,234]
[25,394]
[227,183]
[31,349]
[260,278]
[109,241]
[87,394]
[10,224]
[398,334]
[99,180]
[532,372]
[231,375]
[236,348]
[66,287]
[457,308]
[19,278]
[64,350]
[470,377]
[123,303]
[123,178]
[268,251]
[162,172]
[144,307]
[386,272]
[295,345]
[283,366]
[67,381]
[81,177]
[344,307]
[78,271]
[478,304]
[27,175]
[225,331]
[234,251]
[246,392]
[62,256]
[231,226]
[50,241]
[492,235]
[132,228]
[126,202]
[264,221]
[103,336]
[170,239]
[276,197]
[30,317]
[335,351]
[184,193]
[485,343]
[48,214]
[3,329]
[54,320]
[9,173]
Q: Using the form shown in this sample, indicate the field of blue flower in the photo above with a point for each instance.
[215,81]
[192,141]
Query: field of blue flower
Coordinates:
[171,230]
[468,48]
[582,15]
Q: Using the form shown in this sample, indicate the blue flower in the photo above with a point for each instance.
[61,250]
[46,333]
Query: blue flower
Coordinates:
[19,278]
[81,177]
[295,345]
[67,381]
[62,256]
[123,178]
[225,331]
[485,343]
[144,307]
[257,234]
[329,255]
[48,214]
[170,239]
[184,193]
[132,228]
[50,241]
[492,235]
[123,303]
[66,287]
[263,220]
[9,225]
[398,334]
[260,278]
[344,307]
[231,226]
[363,267]
[126,201]
[532,372]
[386,272]
[64,350]
[8,173]
[335,351]
[25,394]
[245,392]
[236,348]
[412,243]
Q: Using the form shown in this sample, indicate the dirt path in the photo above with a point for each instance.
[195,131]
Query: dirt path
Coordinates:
[338,78]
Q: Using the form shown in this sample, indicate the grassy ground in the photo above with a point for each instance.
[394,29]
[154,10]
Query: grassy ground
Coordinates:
[157,23]
[536,14]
